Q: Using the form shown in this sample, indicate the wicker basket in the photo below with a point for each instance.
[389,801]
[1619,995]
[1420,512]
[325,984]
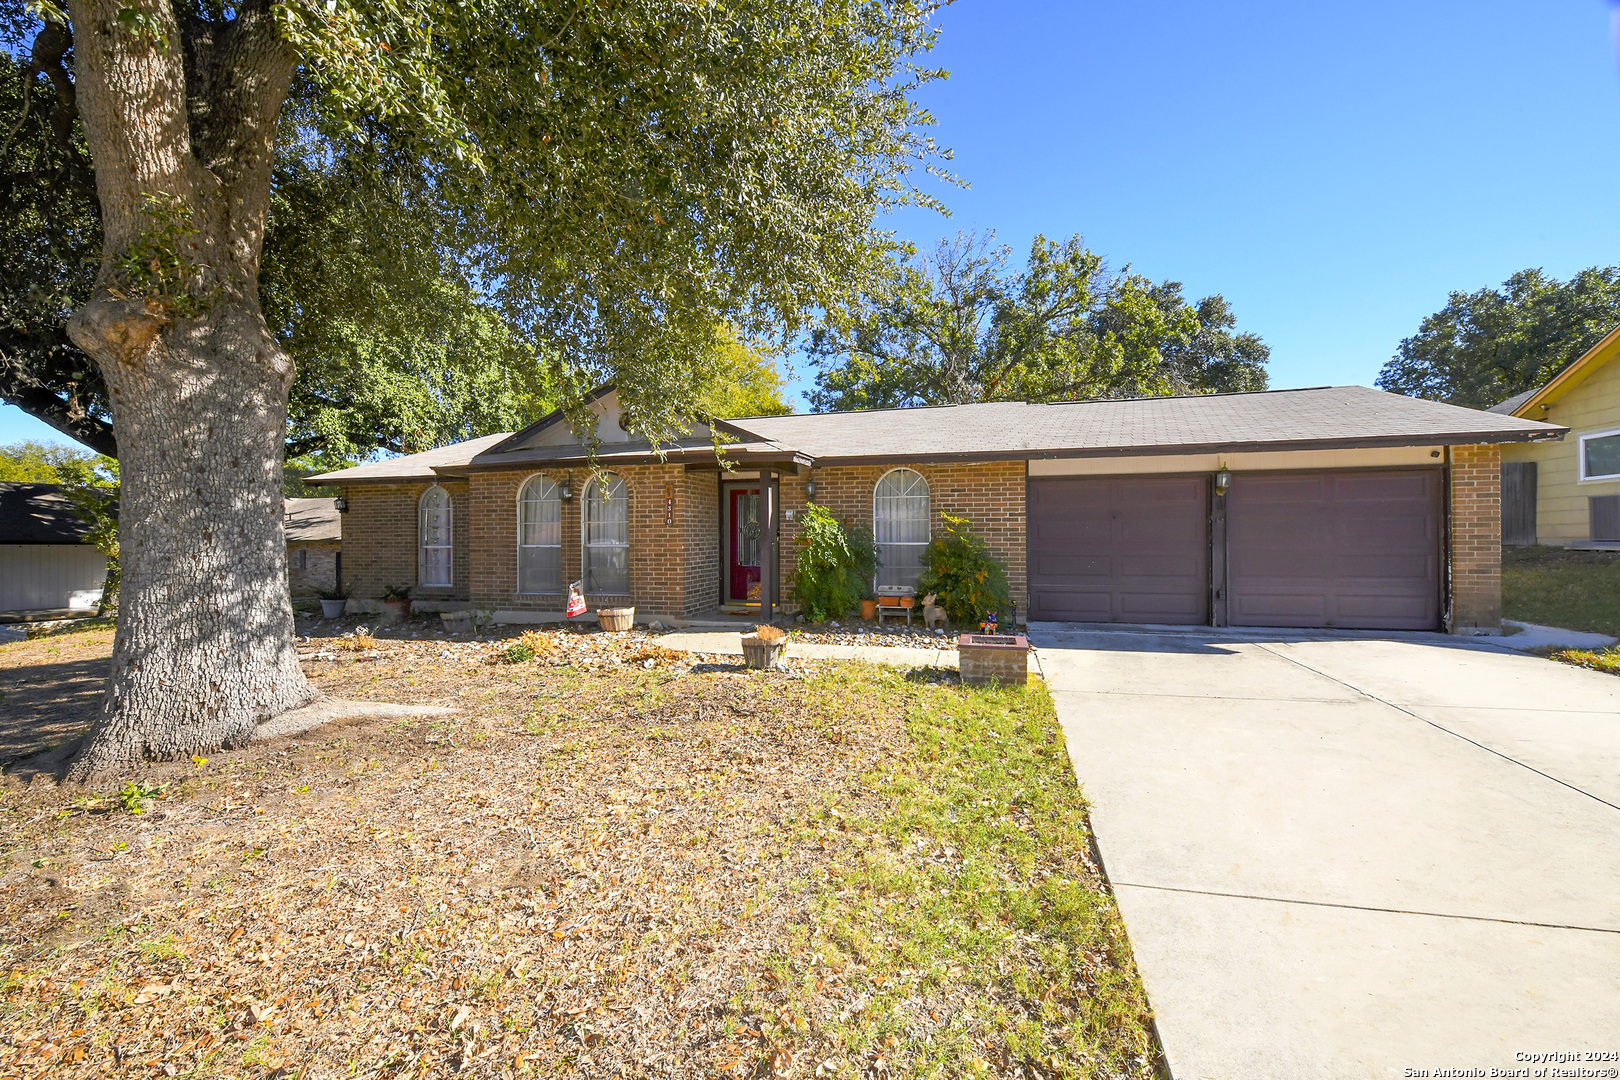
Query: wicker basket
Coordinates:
[616,618]
[761,654]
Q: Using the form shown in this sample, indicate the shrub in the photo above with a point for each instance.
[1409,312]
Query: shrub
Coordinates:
[835,566]
[969,580]
[516,653]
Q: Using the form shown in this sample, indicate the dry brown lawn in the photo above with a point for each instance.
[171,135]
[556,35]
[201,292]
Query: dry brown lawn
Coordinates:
[606,870]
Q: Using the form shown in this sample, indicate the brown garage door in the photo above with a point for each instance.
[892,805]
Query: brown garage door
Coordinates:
[1119,549]
[1352,549]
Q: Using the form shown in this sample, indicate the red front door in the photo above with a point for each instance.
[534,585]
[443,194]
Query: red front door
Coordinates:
[742,557]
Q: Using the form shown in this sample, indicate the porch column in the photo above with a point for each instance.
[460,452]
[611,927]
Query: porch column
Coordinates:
[767,544]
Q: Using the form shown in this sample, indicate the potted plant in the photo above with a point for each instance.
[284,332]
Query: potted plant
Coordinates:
[763,648]
[333,601]
[868,608]
[396,601]
[616,618]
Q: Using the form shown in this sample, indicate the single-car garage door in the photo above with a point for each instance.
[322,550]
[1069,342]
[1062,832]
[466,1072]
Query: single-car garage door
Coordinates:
[1119,549]
[1353,549]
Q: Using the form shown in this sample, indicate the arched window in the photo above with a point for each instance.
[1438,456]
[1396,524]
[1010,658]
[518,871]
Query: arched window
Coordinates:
[435,535]
[539,565]
[900,526]
[607,536]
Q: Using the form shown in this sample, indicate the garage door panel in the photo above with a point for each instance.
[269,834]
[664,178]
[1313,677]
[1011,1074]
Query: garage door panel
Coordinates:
[1053,566]
[1355,550]
[1072,605]
[1254,610]
[1119,549]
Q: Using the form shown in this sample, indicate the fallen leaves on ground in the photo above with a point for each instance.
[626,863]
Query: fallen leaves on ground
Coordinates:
[596,869]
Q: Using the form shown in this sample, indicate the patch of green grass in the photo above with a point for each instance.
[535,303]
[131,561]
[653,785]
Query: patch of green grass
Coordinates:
[77,626]
[1606,661]
[975,896]
[1574,590]
[137,796]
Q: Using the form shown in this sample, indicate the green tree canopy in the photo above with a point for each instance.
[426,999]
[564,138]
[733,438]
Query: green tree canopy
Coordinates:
[616,179]
[961,326]
[743,380]
[396,349]
[1487,346]
[41,463]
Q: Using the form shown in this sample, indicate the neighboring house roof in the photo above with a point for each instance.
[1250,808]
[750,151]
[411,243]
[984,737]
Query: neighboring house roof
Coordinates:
[1325,417]
[38,514]
[1514,403]
[1536,402]
[309,521]
[421,466]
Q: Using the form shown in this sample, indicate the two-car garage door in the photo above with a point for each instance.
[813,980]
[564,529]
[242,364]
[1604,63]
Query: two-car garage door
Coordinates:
[1356,549]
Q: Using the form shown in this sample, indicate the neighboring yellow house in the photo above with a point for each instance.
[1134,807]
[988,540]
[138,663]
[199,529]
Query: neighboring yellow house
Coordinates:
[1574,487]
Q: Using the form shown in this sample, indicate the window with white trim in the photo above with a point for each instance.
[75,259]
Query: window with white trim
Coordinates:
[539,564]
[607,536]
[1600,455]
[435,536]
[900,521]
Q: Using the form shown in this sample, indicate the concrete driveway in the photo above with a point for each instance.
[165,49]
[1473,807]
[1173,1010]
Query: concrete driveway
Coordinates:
[1353,856]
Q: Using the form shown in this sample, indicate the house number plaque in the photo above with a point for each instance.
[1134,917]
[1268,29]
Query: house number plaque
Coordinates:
[669,504]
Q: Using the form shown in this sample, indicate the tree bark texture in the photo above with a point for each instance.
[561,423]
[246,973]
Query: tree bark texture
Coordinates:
[183,116]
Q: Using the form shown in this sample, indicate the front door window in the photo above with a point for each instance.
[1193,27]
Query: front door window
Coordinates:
[743,557]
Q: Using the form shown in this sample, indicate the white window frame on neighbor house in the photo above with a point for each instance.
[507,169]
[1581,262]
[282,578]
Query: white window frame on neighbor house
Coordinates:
[915,527]
[539,495]
[588,544]
[1581,454]
[424,561]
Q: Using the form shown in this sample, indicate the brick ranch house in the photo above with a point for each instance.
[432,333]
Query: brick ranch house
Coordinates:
[1327,507]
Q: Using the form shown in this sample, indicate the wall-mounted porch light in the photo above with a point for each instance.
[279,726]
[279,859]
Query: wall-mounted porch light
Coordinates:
[565,490]
[1223,481]
[809,489]
[341,504]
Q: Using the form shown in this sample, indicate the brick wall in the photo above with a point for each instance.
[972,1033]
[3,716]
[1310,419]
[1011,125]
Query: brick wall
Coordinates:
[379,539]
[700,502]
[989,494]
[1476,539]
[674,564]
[311,566]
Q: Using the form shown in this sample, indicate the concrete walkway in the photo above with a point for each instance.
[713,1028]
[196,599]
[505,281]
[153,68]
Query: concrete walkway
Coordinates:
[1533,636]
[1346,856]
[729,643]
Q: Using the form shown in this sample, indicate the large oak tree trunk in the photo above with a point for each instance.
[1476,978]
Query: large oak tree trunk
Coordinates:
[180,123]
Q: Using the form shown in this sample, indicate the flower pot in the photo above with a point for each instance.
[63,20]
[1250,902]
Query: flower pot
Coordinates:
[397,609]
[332,609]
[762,655]
[868,609]
[457,622]
[616,618]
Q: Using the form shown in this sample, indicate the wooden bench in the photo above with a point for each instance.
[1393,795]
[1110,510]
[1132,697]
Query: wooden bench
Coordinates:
[895,601]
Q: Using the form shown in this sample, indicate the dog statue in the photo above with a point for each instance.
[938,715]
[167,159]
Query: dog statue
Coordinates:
[931,612]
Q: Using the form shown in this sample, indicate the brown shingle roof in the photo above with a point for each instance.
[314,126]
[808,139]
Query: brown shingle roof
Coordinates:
[38,514]
[310,520]
[1322,417]
[1318,418]
[411,466]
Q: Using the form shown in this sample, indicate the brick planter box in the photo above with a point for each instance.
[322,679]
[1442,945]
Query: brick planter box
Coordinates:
[993,658]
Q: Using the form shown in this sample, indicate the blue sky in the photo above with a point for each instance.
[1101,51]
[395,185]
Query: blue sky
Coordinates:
[1333,170]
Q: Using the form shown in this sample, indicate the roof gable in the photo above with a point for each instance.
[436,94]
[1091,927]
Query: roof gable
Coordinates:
[1590,363]
[611,429]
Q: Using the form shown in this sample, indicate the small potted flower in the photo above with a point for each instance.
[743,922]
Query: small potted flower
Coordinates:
[333,601]
[396,601]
